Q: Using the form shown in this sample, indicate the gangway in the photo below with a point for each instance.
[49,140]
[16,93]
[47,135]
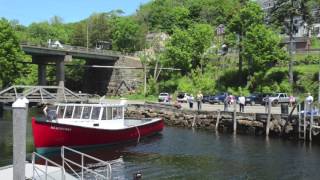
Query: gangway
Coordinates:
[84,168]
[41,94]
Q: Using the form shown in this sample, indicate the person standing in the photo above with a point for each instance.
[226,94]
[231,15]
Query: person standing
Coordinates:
[226,103]
[309,101]
[190,101]
[242,101]
[292,100]
[199,100]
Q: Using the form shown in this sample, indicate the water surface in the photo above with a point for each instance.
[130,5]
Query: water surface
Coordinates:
[179,153]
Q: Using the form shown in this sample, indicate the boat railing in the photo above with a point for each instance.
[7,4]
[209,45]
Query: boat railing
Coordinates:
[66,162]
[41,173]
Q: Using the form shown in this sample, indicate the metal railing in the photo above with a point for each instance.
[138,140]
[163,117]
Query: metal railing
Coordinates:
[44,173]
[42,94]
[39,172]
[78,49]
[68,162]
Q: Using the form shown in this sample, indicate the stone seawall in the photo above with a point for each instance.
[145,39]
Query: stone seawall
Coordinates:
[253,123]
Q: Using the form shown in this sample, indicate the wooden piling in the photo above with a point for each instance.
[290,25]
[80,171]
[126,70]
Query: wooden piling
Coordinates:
[311,124]
[218,119]
[235,117]
[268,118]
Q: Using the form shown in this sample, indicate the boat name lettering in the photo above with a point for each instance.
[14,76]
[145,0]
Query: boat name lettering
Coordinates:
[60,128]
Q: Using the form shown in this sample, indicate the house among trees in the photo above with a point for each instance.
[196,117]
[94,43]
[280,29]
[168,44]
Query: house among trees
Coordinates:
[303,32]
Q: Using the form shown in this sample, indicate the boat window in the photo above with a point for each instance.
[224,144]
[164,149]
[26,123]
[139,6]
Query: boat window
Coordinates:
[61,111]
[86,112]
[117,113]
[109,113]
[95,113]
[104,115]
[77,112]
[69,111]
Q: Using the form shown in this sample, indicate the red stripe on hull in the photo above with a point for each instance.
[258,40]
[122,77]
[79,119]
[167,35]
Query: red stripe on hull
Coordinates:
[50,135]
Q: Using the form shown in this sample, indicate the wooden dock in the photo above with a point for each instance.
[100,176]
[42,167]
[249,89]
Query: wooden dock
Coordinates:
[6,172]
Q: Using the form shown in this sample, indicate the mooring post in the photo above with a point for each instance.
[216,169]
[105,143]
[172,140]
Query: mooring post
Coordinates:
[20,114]
[218,119]
[311,123]
[235,117]
[268,117]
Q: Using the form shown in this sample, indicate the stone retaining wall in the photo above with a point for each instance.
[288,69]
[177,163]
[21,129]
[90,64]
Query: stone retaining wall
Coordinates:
[246,122]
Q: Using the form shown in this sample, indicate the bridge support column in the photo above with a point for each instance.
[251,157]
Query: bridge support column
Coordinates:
[42,71]
[60,77]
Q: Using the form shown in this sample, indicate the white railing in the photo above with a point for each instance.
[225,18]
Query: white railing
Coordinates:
[69,163]
[39,173]
[46,171]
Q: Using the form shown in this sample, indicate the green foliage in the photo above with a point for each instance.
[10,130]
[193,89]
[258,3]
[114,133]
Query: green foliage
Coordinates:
[152,87]
[315,42]
[238,91]
[249,15]
[10,54]
[185,48]
[127,35]
[276,80]
[198,81]
[305,59]
[41,32]
[263,52]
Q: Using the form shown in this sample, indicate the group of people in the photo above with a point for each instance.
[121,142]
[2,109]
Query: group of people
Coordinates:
[191,99]
[229,100]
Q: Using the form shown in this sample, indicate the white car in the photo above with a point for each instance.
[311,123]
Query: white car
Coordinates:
[164,97]
[182,97]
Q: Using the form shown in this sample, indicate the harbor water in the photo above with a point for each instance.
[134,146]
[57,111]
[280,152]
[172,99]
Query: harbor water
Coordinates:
[179,153]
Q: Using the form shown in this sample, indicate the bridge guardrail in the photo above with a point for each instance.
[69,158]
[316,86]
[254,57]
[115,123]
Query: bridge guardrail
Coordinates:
[78,49]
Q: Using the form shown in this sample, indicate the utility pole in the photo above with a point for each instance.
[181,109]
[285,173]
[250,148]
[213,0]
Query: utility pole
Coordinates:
[87,34]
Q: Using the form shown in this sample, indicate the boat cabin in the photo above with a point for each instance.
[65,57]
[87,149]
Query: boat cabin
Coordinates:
[89,111]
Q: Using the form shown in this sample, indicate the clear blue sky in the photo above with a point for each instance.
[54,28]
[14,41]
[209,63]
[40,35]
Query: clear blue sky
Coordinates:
[28,11]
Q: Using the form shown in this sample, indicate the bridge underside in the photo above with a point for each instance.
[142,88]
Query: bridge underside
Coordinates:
[95,80]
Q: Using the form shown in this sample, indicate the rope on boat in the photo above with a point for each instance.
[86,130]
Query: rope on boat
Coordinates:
[138,135]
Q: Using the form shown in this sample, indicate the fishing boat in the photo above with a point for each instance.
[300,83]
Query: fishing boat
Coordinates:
[83,125]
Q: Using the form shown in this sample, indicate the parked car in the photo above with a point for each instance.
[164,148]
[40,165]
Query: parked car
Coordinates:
[206,98]
[256,98]
[277,98]
[218,98]
[164,97]
[182,97]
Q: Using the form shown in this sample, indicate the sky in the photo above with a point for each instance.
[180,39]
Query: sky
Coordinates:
[28,11]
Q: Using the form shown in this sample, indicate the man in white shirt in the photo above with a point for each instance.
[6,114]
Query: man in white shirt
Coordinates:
[308,102]
[309,99]
[242,101]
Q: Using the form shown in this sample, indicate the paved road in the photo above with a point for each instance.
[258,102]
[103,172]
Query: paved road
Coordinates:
[215,107]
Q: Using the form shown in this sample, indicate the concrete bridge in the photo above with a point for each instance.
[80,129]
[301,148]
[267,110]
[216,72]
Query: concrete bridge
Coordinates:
[99,80]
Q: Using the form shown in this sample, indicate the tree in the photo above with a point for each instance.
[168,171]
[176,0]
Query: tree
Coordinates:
[164,15]
[249,15]
[10,54]
[55,29]
[285,14]
[263,52]
[185,48]
[127,35]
